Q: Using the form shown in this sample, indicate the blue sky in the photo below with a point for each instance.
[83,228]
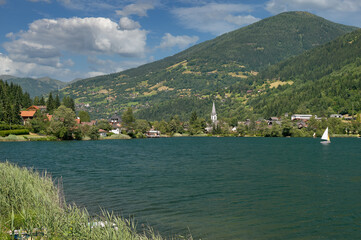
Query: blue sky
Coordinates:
[68,39]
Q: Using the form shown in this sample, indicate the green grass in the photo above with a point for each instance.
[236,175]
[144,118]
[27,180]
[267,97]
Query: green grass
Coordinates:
[32,204]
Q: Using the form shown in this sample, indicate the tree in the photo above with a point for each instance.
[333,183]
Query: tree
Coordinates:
[128,117]
[63,123]
[104,124]
[39,123]
[36,101]
[57,102]
[50,103]
[142,125]
[193,117]
[42,101]
[84,116]
[69,103]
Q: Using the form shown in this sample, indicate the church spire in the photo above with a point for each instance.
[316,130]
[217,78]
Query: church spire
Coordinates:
[214,114]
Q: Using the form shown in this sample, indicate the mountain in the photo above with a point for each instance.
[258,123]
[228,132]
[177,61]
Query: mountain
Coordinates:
[33,86]
[325,80]
[212,70]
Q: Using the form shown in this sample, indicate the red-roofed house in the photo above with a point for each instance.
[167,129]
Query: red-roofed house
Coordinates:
[27,115]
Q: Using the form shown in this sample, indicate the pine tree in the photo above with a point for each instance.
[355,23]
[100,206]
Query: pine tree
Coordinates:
[50,103]
[57,102]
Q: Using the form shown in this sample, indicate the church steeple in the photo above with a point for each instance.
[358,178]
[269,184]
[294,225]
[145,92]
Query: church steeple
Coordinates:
[214,114]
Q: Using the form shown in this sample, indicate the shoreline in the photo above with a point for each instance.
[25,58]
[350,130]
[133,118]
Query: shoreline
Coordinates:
[38,138]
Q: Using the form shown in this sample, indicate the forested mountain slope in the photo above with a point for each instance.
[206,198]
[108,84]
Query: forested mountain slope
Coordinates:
[325,80]
[213,70]
[35,87]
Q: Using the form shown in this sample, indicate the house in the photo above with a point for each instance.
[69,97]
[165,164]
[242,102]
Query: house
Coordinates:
[115,119]
[304,117]
[301,124]
[102,133]
[153,134]
[27,115]
[33,107]
[336,116]
[273,120]
[115,131]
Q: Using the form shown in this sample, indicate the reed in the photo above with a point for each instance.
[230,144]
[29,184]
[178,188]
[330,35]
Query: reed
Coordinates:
[31,205]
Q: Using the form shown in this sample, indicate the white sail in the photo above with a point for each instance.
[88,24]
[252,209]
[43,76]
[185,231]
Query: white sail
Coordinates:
[325,135]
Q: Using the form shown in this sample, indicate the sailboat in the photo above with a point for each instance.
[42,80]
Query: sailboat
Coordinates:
[325,137]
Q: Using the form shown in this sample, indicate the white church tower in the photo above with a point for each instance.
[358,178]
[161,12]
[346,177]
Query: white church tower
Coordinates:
[214,114]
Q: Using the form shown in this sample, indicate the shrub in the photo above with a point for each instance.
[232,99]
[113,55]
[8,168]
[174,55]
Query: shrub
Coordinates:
[5,133]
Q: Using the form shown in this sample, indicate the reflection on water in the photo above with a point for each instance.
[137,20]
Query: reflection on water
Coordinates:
[219,188]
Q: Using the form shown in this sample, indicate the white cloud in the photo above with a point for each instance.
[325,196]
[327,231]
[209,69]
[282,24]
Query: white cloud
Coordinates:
[241,20]
[94,74]
[23,69]
[47,38]
[42,48]
[126,23]
[100,65]
[2,2]
[215,18]
[277,6]
[139,9]
[169,41]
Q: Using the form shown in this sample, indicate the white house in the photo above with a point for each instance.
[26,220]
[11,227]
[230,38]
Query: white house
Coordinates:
[301,117]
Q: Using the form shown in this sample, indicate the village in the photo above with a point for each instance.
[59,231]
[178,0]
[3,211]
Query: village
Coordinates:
[296,125]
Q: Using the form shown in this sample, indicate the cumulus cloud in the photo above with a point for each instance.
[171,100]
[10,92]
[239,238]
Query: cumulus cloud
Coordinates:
[215,18]
[169,41]
[45,40]
[103,66]
[126,23]
[23,69]
[277,6]
[43,47]
[139,9]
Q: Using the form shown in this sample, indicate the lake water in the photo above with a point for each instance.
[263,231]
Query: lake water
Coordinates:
[218,188]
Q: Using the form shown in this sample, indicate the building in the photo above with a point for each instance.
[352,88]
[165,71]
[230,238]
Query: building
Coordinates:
[102,133]
[214,114]
[115,119]
[27,115]
[303,117]
[336,116]
[273,120]
[153,134]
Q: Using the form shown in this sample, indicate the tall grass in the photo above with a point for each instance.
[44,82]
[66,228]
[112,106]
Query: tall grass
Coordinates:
[31,205]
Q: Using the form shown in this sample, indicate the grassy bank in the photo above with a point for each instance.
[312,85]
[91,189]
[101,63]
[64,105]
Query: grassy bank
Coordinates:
[32,205]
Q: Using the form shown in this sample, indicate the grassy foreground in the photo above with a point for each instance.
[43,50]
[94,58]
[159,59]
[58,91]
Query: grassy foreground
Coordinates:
[32,206]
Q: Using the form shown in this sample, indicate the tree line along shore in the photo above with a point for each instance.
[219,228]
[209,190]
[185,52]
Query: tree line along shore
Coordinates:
[26,119]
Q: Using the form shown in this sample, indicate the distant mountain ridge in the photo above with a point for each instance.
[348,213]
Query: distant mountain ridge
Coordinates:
[212,70]
[35,86]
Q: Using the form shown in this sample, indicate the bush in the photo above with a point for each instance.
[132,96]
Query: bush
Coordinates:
[4,126]
[14,132]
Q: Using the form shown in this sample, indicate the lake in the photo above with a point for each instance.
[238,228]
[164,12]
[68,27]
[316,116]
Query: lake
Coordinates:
[218,188]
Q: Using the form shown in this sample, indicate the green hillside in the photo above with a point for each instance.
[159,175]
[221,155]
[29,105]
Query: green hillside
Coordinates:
[35,87]
[325,80]
[222,69]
